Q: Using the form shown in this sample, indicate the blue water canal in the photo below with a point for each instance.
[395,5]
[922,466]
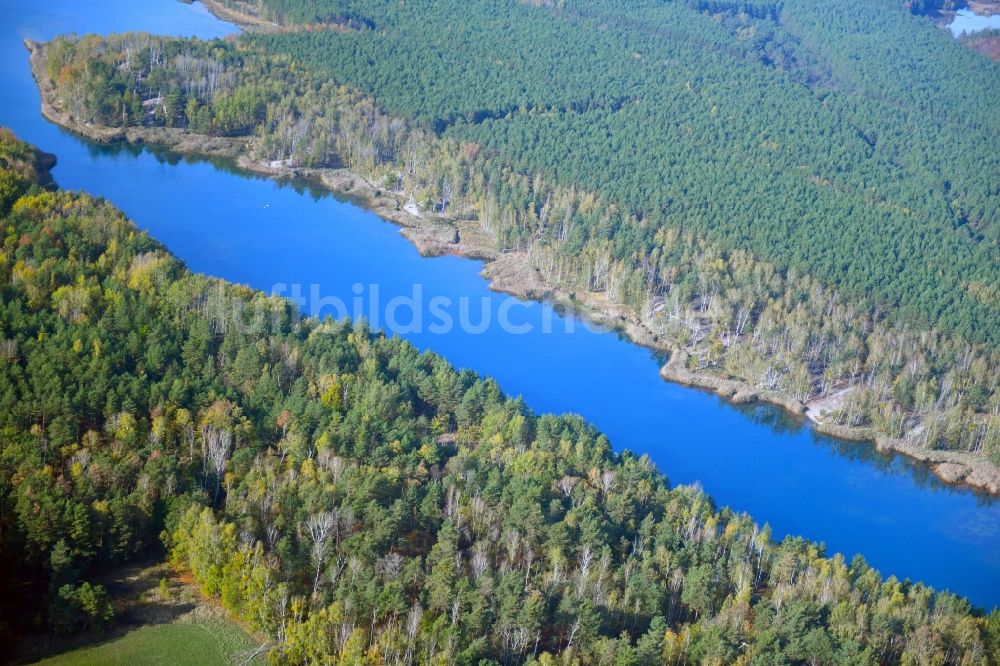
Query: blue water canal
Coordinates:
[967,22]
[254,231]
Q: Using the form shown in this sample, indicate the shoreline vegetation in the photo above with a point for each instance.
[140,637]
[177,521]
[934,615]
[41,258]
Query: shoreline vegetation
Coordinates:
[348,496]
[509,272]
[980,8]
[241,19]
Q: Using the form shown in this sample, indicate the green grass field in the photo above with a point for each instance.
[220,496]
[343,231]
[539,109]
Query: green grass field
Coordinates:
[198,643]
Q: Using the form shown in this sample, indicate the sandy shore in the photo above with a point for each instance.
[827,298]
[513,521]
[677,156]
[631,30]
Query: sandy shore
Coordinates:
[244,21]
[511,273]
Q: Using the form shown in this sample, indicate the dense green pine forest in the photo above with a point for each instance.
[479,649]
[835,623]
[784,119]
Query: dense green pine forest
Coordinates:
[358,501]
[796,194]
[842,139]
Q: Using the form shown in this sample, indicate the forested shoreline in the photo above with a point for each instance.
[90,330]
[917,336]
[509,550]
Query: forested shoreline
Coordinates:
[358,501]
[859,369]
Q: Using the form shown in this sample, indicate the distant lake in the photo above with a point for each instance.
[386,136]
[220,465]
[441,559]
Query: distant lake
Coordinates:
[255,231]
[967,21]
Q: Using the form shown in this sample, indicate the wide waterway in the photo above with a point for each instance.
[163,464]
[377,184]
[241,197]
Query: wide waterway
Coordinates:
[255,231]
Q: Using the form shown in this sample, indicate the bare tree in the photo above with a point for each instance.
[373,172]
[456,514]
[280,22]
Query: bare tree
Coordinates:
[567,484]
[583,572]
[217,442]
[479,560]
[412,627]
[320,527]
[607,481]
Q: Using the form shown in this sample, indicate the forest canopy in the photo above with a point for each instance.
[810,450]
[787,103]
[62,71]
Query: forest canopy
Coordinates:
[353,498]
[838,138]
